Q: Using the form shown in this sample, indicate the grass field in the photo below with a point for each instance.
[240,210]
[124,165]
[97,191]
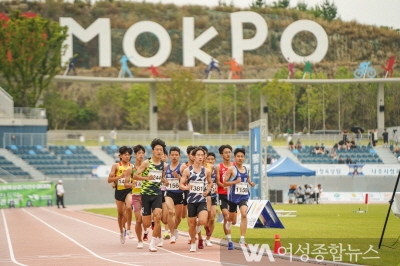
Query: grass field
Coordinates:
[331,224]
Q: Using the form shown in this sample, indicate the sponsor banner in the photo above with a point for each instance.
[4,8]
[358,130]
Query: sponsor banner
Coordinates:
[355,169]
[27,194]
[260,214]
[355,197]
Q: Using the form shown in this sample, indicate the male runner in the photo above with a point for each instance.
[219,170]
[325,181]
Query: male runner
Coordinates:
[174,196]
[151,190]
[196,179]
[237,179]
[211,200]
[225,151]
[122,194]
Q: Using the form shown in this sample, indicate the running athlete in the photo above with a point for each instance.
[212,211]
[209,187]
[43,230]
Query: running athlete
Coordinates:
[225,151]
[174,196]
[139,152]
[188,163]
[151,190]
[122,194]
[196,179]
[211,200]
[164,212]
[237,179]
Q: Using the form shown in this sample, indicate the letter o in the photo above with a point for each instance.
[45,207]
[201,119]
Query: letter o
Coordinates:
[162,35]
[299,26]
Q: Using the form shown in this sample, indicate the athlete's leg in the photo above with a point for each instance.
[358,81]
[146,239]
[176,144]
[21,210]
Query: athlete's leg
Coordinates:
[178,215]
[184,211]
[120,210]
[211,219]
[170,213]
[128,211]
[192,229]
[157,222]
[243,223]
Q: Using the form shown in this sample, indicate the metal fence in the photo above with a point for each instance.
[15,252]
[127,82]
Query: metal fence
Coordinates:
[101,139]
[29,113]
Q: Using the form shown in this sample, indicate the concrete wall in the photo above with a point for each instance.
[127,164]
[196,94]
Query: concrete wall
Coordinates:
[6,105]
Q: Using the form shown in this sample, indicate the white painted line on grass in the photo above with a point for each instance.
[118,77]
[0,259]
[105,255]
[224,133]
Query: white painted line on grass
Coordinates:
[10,248]
[82,246]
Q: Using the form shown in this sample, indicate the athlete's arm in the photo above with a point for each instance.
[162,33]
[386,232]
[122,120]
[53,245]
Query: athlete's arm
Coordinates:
[218,180]
[209,183]
[111,176]
[251,183]
[229,174]
[163,178]
[128,174]
[182,183]
[142,167]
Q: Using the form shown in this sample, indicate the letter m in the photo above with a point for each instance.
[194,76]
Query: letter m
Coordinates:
[100,27]
[256,253]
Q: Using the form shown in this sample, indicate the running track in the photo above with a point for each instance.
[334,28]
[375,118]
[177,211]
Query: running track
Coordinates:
[51,236]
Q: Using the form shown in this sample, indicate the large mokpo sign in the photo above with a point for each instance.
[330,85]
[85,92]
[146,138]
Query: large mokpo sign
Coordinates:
[192,45]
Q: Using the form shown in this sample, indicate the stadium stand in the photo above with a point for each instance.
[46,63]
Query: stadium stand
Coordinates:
[9,168]
[57,160]
[360,155]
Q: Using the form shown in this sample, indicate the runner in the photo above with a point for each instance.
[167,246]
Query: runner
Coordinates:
[188,163]
[237,179]
[174,196]
[225,151]
[139,152]
[196,179]
[164,213]
[151,190]
[211,201]
[122,194]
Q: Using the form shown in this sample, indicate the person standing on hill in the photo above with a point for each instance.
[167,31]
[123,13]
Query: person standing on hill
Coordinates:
[385,136]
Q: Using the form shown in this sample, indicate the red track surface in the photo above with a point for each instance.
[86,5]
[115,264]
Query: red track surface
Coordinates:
[51,236]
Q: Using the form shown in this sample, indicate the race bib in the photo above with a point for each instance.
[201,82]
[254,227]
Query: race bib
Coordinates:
[138,184]
[214,188]
[121,181]
[241,189]
[157,174]
[173,184]
[197,187]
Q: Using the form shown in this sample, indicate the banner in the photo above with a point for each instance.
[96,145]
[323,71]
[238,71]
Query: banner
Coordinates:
[27,194]
[355,197]
[355,169]
[255,162]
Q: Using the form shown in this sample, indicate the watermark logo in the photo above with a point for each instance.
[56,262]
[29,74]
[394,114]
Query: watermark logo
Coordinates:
[254,253]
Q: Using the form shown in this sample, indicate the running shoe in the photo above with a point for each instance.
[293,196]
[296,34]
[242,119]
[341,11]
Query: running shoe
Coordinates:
[208,243]
[130,234]
[161,243]
[166,235]
[230,246]
[122,239]
[242,242]
[145,237]
[173,240]
[140,245]
[200,245]
[208,231]
[193,247]
[228,225]
[152,248]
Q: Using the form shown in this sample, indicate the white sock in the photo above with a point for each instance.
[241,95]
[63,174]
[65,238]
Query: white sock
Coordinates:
[145,231]
[242,239]
[153,239]
[228,237]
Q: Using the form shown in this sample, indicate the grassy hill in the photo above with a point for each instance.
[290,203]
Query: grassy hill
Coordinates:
[349,42]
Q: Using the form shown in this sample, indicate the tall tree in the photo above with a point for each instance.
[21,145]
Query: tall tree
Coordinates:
[178,97]
[327,10]
[30,56]
[281,4]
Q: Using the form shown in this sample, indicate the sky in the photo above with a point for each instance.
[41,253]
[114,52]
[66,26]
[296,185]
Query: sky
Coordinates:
[370,12]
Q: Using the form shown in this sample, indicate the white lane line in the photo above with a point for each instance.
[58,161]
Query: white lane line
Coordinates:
[211,261]
[10,248]
[85,248]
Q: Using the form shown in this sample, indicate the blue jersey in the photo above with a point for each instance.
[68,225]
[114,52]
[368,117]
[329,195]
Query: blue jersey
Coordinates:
[173,185]
[198,182]
[240,191]
[213,192]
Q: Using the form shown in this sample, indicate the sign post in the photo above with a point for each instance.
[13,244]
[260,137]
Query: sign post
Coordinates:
[258,159]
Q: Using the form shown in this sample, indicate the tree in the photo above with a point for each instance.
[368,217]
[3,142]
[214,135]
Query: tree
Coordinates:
[30,56]
[302,6]
[327,10]
[281,4]
[258,4]
[178,97]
